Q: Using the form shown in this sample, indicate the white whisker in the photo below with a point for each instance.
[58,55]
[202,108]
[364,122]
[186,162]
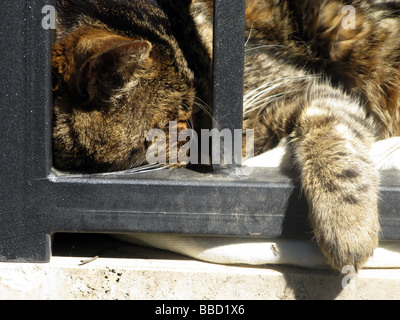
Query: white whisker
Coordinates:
[205,108]
[248,38]
[254,98]
[258,104]
[263,46]
[139,169]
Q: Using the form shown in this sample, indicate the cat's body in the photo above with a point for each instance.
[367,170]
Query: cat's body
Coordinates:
[334,98]
[332,91]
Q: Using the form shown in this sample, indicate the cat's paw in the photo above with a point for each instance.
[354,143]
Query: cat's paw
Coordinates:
[341,185]
[345,217]
[351,243]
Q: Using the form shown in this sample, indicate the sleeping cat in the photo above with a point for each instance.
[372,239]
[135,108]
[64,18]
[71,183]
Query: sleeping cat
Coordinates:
[124,67]
[118,72]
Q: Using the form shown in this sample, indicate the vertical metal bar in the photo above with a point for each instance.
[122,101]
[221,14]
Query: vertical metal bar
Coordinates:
[39,38]
[229,25]
[24,93]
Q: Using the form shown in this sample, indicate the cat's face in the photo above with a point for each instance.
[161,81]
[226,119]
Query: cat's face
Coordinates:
[109,91]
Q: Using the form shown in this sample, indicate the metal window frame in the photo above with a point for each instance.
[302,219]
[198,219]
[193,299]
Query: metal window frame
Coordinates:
[36,201]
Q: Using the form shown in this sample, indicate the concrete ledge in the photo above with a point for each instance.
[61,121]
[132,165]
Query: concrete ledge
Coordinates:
[154,274]
[104,278]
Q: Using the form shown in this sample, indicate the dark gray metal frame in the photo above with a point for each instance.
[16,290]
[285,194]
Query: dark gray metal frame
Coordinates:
[36,201]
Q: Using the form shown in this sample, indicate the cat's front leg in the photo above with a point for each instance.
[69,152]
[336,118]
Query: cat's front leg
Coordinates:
[330,148]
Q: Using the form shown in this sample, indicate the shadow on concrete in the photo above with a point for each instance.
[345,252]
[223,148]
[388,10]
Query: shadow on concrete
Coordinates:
[313,284]
[310,284]
[105,246]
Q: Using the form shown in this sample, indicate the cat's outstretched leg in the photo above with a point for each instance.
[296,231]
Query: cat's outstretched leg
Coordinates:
[330,145]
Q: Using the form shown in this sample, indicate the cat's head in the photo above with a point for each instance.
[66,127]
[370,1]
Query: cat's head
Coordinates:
[109,92]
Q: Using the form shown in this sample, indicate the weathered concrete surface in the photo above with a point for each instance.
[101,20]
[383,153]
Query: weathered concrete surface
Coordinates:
[152,274]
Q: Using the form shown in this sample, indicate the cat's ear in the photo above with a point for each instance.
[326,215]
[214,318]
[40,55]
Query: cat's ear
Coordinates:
[111,65]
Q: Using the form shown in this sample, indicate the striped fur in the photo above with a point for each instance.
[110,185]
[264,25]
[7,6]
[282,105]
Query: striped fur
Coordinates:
[334,92]
[118,72]
[331,91]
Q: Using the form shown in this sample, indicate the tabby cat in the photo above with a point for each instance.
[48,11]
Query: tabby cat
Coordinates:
[118,71]
[124,67]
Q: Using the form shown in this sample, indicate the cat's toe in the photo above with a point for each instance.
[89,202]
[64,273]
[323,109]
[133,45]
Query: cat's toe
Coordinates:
[351,243]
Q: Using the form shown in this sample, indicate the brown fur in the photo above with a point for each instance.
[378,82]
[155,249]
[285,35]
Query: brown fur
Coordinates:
[332,92]
[337,93]
[111,86]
